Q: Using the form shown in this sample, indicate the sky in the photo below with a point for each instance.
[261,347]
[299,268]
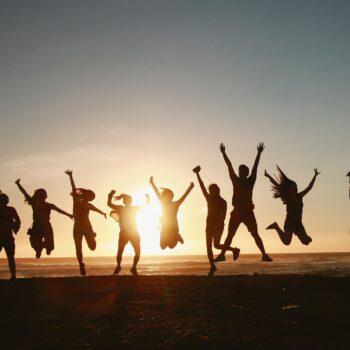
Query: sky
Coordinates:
[122,90]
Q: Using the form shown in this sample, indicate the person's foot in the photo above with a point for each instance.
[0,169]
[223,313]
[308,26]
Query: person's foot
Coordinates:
[266,258]
[38,254]
[133,270]
[212,270]
[82,269]
[236,252]
[13,277]
[117,270]
[220,257]
[48,251]
[272,226]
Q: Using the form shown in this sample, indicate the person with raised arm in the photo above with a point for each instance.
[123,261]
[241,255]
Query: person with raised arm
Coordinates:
[215,223]
[242,201]
[125,215]
[348,174]
[287,191]
[169,232]
[82,226]
[41,233]
[9,223]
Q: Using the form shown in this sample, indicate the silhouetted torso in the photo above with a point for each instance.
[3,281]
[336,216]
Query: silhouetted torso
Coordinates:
[243,193]
[41,212]
[169,214]
[80,211]
[217,207]
[127,218]
[294,208]
[7,215]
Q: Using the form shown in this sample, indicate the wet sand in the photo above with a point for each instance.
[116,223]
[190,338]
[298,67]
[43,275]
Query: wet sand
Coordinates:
[176,312]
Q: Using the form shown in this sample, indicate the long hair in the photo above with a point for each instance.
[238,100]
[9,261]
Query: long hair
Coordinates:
[89,195]
[39,195]
[283,187]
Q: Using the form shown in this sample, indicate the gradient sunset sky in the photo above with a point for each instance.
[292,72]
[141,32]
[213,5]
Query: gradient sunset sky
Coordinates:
[122,90]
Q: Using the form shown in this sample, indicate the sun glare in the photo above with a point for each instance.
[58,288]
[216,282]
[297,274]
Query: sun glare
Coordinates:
[148,220]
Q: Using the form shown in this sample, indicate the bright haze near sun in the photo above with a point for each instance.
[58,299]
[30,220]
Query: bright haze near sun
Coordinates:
[120,91]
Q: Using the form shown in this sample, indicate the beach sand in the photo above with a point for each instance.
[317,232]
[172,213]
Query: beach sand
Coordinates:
[171,312]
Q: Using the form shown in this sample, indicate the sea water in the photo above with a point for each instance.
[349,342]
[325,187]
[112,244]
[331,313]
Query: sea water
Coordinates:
[327,264]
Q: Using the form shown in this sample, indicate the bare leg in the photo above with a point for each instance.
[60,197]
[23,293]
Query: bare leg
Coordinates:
[10,253]
[121,246]
[285,236]
[137,249]
[78,240]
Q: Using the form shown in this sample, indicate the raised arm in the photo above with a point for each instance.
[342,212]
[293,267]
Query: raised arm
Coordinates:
[21,188]
[201,183]
[231,171]
[109,201]
[273,181]
[189,189]
[260,149]
[155,188]
[53,207]
[70,174]
[311,184]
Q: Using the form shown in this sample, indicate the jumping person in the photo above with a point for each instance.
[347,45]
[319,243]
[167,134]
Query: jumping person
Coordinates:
[9,223]
[287,190]
[242,201]
[348,174]
[169,233]
[217,209]
[41,233]
[125,215]
[82,227]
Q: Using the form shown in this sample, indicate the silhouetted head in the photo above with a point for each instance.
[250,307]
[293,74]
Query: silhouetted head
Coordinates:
[39,195]
[167,195]
[214,190]
[86,195]
[286,188]
[127,200]
[243,171]
[348,174]
[4,199]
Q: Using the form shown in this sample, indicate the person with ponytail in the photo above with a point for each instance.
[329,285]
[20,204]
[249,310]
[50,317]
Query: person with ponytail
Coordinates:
[125,215]
[9,223]
[41,232]
[169,233]
[287,191]
[82,226]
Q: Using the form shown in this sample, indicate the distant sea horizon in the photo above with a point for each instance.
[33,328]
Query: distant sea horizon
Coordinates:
[327,264]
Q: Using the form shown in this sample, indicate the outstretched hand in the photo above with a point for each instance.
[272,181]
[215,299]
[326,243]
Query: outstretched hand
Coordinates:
[316,172]
[17,181]
[69,172]
[105,215]
[222,148]
[71,216]
[191,184]
[111,193]
[151,180]
[260,147]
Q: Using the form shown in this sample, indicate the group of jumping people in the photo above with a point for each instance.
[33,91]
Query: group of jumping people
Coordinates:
[41,233]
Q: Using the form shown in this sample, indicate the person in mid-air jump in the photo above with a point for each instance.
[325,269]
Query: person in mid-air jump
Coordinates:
[41,233]
[217,209]
[9,223]
[287,191]
[243,207]
[169,233]
[125,215]
[82,226]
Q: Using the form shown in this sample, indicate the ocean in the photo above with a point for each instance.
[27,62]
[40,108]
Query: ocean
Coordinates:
[326,264]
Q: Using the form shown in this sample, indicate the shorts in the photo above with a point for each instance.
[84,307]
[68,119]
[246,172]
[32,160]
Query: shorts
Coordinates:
[8,243]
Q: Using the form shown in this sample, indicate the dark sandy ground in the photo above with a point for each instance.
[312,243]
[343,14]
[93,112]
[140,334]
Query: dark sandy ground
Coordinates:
[176,312]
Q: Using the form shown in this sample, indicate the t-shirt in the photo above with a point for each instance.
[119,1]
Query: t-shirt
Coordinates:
[243,193]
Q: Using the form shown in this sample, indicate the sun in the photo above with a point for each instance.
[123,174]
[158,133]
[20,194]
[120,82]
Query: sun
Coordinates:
[148,220]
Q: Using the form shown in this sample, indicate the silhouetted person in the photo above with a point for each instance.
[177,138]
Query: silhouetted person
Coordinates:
[125,215]
[169,232]
[348,174]
[242,200]
[287,190]
[82,227]
[9,223]
[41,233]
[217,209]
